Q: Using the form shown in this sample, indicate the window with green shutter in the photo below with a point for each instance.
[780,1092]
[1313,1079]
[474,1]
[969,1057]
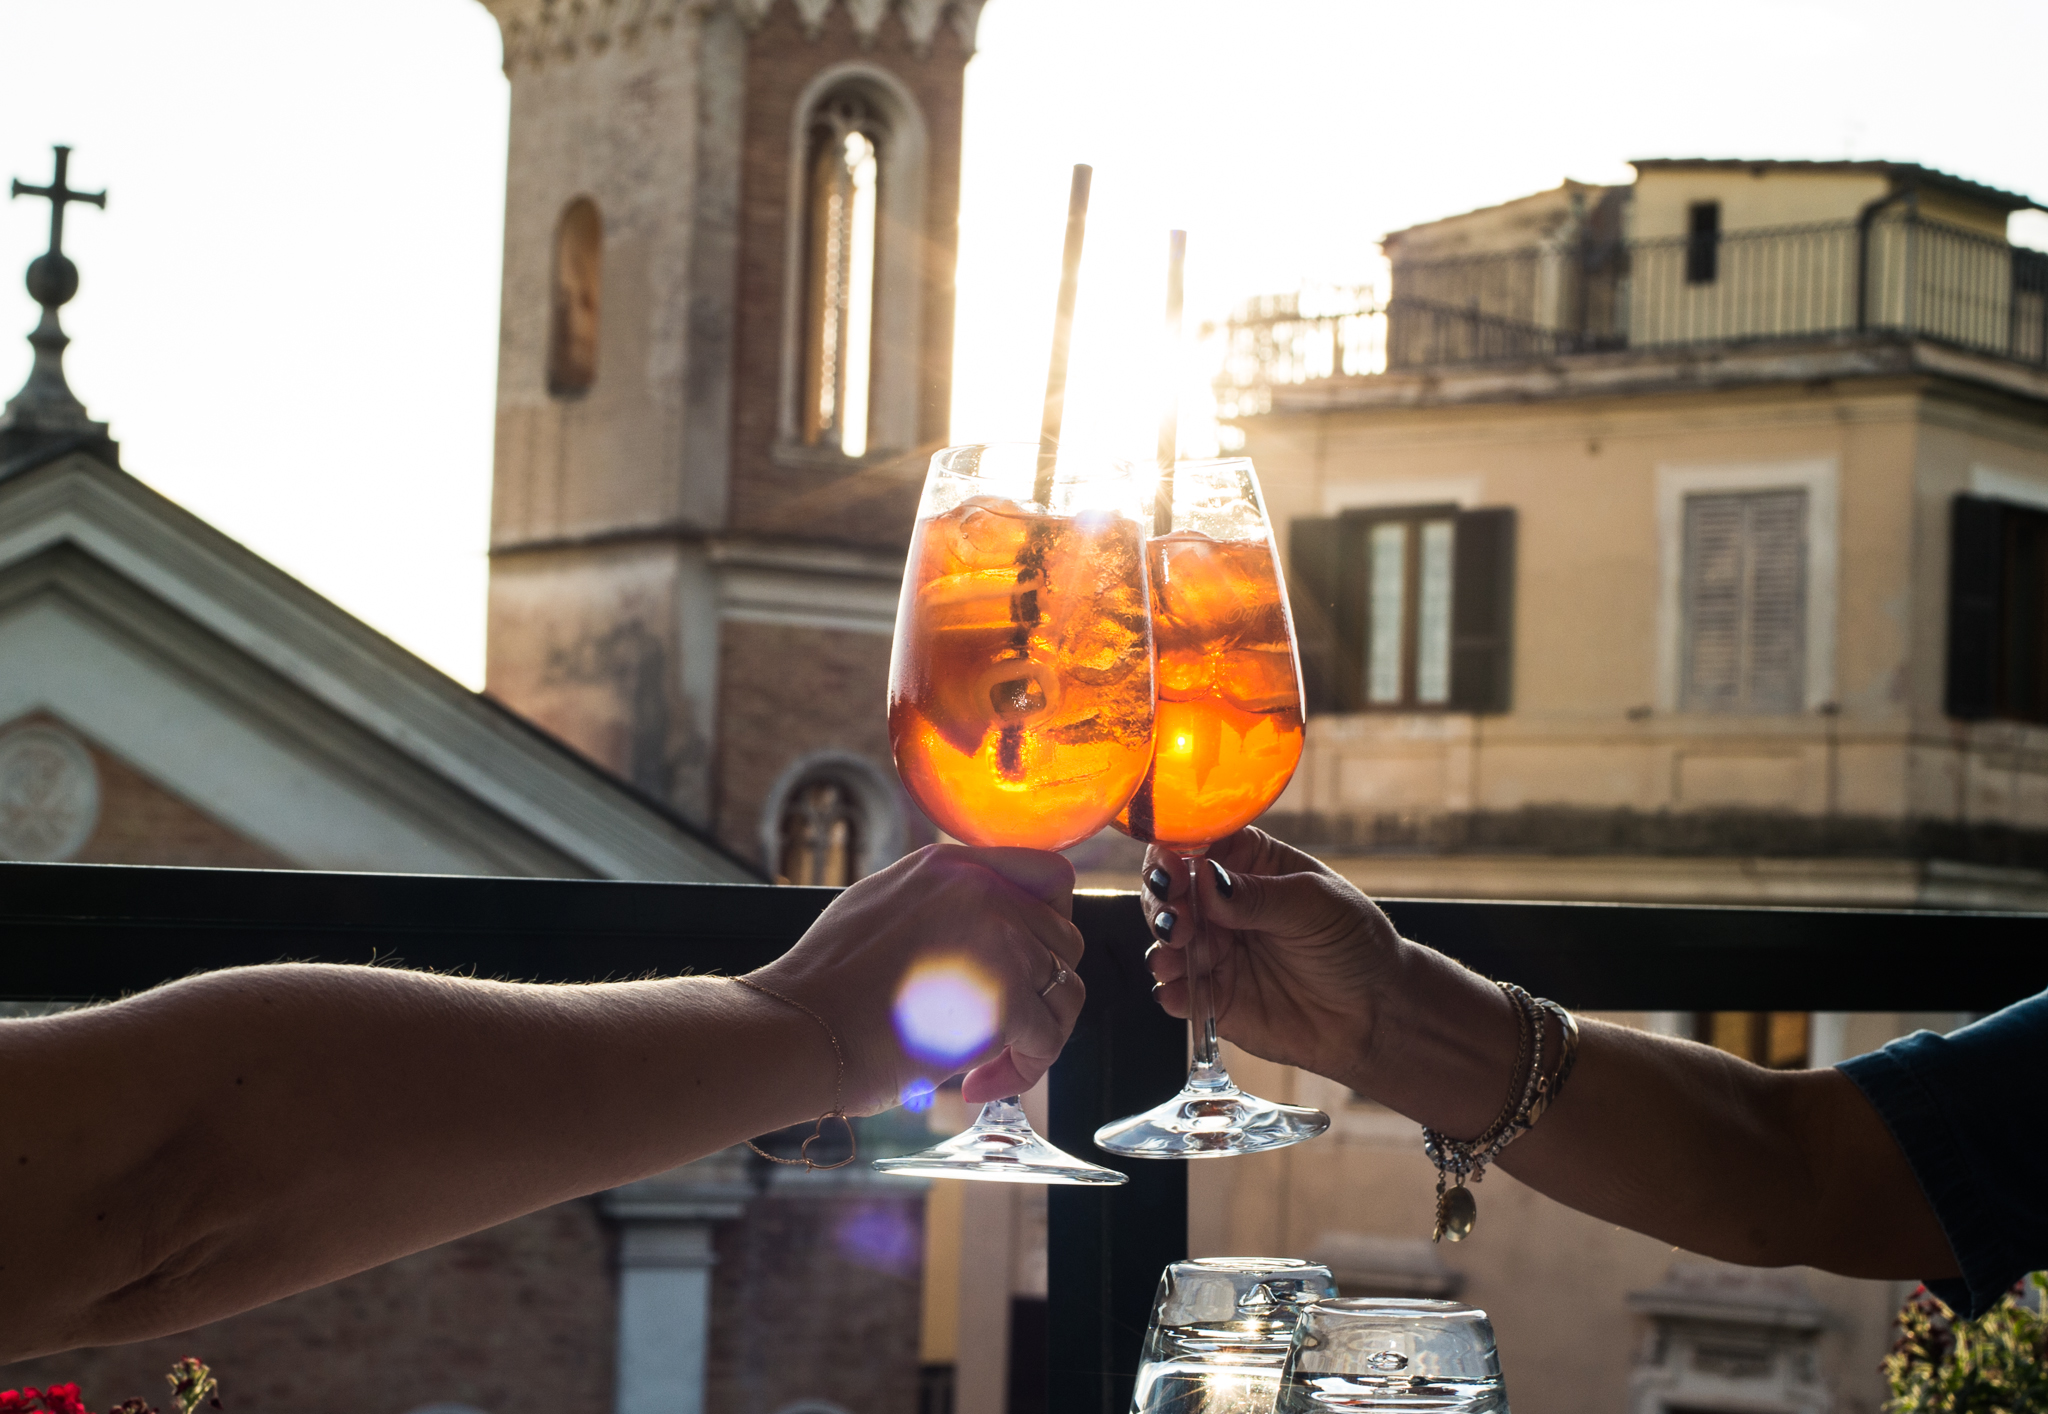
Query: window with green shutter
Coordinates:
[1405,608]
[1998,611]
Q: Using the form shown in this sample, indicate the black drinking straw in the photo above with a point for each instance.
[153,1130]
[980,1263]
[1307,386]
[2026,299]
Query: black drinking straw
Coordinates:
[1169,418]
[1062,331]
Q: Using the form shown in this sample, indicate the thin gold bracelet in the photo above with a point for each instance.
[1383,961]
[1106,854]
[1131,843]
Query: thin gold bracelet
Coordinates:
[838,1110]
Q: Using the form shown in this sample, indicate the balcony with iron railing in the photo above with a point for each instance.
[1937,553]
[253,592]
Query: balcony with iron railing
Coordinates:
[1898,277]
[77,932]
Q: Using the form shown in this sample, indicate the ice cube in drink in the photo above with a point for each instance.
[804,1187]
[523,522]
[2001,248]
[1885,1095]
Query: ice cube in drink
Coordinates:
[1020,705]
[1229,726]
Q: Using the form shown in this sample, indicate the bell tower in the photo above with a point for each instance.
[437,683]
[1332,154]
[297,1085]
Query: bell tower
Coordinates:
[725,352]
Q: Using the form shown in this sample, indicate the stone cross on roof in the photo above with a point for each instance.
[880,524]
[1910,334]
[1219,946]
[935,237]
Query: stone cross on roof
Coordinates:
[44,420]
[60,196]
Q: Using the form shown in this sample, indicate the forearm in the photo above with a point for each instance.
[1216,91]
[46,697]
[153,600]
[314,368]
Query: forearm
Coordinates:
[1665,1137]
[1688,1145]
[230,1139]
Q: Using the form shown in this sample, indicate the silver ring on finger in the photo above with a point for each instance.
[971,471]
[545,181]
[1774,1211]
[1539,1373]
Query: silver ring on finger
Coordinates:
[1059,975]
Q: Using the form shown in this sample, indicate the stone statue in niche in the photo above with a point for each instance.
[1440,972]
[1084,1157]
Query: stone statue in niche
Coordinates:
[573,311]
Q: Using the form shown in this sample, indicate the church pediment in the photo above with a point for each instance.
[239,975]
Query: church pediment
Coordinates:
[149,637]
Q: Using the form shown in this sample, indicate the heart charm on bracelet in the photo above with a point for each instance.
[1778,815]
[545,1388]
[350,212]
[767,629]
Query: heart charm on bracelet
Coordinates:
[804,1154]
[1456,1211]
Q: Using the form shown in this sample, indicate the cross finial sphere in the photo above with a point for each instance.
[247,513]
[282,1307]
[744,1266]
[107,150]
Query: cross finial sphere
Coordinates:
[45,419]
[60,195]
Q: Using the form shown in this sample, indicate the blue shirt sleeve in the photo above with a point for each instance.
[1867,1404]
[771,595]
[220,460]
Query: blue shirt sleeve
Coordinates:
[1965,1110]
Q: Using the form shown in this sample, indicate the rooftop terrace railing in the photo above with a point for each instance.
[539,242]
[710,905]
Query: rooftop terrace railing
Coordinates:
[1899,275]
[74,932]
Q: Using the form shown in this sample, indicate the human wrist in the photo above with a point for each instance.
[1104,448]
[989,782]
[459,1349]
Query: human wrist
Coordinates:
[792,1045]
[1443,1043]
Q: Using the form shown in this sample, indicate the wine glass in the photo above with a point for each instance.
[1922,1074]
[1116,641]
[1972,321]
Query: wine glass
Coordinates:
[1020,712]
[1229,734]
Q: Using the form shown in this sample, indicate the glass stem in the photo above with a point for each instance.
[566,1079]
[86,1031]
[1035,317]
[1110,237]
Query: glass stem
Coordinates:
[1006,1113]
[1207,1070]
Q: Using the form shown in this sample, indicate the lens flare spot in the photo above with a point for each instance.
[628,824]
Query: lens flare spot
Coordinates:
[947,1010]
[880,1236]
[917,1096]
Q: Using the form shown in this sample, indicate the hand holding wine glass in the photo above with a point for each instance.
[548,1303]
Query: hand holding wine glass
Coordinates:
[1297,954]
[1229,734]
[1004,913]
[1020,705]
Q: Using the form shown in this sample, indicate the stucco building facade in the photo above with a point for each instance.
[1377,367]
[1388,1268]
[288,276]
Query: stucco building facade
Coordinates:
[1667,543]
[1689,627]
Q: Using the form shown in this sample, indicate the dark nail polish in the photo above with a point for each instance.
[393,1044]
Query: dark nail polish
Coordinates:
[1162,923]
[1158,881]
[1223,884]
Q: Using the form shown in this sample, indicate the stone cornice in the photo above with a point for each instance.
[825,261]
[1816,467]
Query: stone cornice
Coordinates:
[539,33]
[1680,369]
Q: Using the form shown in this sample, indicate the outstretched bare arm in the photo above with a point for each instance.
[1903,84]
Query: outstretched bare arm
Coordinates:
[1669,1138]
[236,1137]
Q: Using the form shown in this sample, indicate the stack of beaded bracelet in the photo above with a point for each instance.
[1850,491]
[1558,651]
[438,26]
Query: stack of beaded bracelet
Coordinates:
[1530,1093]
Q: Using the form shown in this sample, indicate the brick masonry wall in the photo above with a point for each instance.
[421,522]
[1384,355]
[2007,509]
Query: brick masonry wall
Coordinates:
[781,60]
[786,691]
[818,1297]
[518,1319]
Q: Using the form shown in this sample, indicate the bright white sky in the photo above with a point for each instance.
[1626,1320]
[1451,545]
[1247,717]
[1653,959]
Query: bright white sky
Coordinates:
[289,310]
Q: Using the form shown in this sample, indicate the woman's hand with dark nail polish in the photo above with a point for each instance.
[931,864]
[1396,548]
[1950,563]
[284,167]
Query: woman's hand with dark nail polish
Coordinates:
[1158,881]
[1223,884]
[1295,950]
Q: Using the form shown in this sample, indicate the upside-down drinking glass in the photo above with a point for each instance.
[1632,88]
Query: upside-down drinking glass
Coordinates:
[1220,1332]
[1229,732]
[1392,1354]
[1020,713]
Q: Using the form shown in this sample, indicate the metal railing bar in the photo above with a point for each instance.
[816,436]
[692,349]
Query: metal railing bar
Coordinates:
[1902,274]
[85,931]
[75,931]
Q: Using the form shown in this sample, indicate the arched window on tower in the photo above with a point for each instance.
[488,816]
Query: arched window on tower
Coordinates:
[820,835]
[573,306]
[844,157]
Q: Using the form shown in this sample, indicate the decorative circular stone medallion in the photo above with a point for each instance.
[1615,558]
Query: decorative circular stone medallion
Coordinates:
[49,794]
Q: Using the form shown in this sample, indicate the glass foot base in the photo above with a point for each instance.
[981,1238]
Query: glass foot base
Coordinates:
[1001,1147]
[1210,1121]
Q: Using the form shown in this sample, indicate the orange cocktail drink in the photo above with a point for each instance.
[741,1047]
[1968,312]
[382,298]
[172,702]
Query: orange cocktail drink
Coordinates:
[1229,716]
[1020,695]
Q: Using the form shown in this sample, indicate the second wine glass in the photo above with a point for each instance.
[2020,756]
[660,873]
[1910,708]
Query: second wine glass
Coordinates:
[1229,734]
